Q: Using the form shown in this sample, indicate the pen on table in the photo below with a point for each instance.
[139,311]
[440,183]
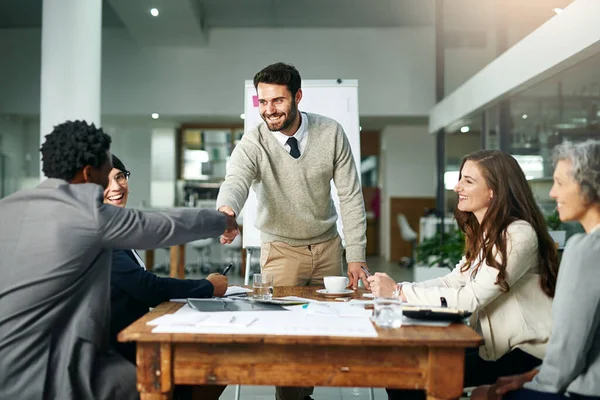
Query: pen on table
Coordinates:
[226,270]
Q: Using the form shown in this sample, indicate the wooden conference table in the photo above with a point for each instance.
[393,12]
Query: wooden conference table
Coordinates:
[413,357]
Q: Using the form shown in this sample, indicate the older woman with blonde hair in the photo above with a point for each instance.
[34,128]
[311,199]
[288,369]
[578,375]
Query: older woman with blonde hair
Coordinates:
[571,367]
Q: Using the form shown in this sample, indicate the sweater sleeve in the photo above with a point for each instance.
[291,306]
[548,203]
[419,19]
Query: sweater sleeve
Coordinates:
[575,320]
[150,289]
[521,249]
[352,206]
[241,171]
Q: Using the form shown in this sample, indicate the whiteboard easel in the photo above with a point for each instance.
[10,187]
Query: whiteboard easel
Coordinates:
[337,99]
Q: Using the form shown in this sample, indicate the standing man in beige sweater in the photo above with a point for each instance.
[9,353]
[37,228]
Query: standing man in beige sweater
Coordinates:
[289,160]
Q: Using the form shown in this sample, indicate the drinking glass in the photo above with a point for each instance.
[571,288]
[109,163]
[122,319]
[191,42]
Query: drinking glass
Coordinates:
[387,313]
[262,287]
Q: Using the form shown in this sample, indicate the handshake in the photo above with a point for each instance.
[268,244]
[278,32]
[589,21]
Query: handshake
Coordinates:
[232,229]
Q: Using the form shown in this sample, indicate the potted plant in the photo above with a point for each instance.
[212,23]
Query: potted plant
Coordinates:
[434,260]
[556,228]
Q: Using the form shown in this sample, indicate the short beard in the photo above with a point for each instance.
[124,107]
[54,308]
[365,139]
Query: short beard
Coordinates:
[291,117]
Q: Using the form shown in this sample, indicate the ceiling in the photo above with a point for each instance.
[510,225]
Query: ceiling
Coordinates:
[28,14]
[464,14]
[187,22]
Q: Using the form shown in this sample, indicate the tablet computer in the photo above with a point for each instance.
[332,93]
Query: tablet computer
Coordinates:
[229,304]
[435,313]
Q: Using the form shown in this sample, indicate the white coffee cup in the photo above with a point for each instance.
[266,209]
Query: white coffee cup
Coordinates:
[336,284]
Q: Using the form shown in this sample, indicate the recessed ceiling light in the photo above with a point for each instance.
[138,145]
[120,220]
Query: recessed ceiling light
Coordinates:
[524,116]
[465,129]
[155,115]
[243,116]
[557,10]
[154,12]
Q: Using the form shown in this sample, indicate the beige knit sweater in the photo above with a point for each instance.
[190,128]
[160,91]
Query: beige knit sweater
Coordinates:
[294,195]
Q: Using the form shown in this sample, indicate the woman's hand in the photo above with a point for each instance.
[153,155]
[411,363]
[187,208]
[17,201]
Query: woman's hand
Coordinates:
[382,285]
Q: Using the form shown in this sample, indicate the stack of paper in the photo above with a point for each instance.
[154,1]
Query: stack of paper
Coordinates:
[187,320]
[236,290]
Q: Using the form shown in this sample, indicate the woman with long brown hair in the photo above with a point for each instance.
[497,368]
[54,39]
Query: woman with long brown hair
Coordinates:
[507,276]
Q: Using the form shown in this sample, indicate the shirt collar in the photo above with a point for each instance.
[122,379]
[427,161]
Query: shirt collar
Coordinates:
[299,135]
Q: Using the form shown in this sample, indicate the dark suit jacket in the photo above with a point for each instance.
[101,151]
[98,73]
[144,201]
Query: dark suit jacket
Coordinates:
[133,290]
[56,246]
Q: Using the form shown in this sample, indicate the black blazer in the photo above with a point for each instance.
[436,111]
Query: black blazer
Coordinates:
[133,290]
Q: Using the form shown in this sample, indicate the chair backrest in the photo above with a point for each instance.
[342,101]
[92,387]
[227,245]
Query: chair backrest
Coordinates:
[406,231]
[201,243]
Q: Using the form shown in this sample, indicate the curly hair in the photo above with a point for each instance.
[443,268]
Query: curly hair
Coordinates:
[585,160]
[71,146]
[513,200]
[280,74]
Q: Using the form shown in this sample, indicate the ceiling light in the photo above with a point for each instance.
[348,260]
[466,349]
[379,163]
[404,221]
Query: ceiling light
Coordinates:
[557,10]
[154,12]
[465,129]
[243,116]
[524,116]
[360,128]
[155,115]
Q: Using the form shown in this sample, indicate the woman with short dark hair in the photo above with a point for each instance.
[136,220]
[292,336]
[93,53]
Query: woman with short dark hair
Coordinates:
[134,290]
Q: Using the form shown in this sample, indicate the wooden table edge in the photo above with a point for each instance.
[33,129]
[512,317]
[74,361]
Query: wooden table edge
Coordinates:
[132,333]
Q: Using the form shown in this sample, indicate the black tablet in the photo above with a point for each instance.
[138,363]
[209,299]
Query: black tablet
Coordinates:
[435,313]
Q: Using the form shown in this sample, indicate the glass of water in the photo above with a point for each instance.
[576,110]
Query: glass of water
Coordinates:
[262,288]
[387,313]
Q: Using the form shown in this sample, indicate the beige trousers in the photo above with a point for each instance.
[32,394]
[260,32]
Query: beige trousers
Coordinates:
[300,266]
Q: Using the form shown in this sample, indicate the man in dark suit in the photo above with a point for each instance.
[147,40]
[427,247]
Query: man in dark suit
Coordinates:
[55,257]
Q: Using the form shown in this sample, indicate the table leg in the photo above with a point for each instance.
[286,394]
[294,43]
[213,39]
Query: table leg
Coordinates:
[248,265]
[149,259]
[445,374]
[177,267]
[154,371]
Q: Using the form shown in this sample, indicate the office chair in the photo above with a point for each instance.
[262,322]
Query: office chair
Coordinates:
[202,247]
[165,266]
[408,234]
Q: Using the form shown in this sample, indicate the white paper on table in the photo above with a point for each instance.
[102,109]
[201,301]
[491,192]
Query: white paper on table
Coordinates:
[296,298]
[278,323]
[345,310]
[357,302]
[233,319]
[419,322]
[184,316]
[234,290]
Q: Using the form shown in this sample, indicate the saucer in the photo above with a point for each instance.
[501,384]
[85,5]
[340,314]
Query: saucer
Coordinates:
[326,293]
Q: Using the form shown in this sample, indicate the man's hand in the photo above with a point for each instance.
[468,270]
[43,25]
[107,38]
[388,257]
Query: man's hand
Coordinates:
[232,229]
[382,285]
[509,383]
[219,282]
[355,273]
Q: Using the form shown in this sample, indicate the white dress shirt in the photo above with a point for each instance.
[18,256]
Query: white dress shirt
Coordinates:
[300,135]
[139,260]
